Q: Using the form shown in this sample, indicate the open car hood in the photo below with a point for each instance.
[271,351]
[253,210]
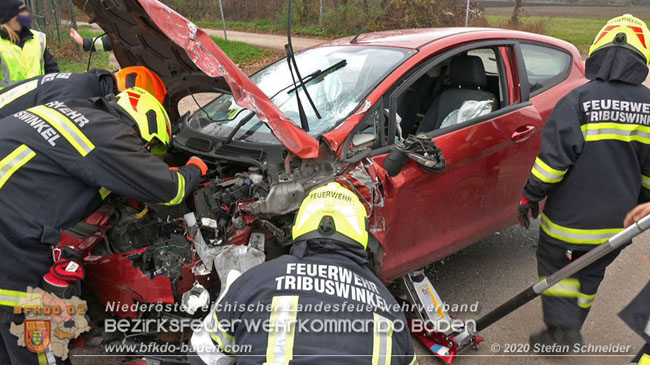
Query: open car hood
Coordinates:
[148,33]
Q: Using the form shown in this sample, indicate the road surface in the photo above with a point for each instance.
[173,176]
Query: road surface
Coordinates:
[270,41]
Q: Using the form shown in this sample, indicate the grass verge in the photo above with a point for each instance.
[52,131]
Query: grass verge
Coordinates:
[67,56]
[579,31]
[266,26]
[242,53]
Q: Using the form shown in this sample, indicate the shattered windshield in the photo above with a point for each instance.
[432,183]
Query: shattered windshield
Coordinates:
[337,78]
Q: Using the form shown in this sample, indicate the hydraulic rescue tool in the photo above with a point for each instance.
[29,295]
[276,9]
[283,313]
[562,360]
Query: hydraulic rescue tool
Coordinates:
[446,343]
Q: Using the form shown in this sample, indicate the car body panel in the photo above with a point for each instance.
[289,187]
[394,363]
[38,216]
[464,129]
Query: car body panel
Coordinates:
[468,201]
[148,33]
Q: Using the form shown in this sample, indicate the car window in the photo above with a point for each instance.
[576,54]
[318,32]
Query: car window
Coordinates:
[453,91]
[545,66]
[489,59]
[350,73]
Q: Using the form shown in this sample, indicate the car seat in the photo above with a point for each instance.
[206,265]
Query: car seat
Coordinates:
[467,77]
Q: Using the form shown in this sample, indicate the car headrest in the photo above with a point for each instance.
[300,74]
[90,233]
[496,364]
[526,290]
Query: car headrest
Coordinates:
[467,71]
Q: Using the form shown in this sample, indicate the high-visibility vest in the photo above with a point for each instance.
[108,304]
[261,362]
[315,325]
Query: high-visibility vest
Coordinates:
[20,64]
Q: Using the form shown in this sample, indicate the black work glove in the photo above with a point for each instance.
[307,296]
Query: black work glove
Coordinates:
[526,206]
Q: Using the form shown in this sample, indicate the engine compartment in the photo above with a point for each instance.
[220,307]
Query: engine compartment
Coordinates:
[149,253]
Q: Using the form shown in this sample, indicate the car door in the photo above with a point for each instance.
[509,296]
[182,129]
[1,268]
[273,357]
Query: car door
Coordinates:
[431,215]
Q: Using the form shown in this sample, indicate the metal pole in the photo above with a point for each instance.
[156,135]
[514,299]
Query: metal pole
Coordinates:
[467,15]
[223,20]
[56,20]
[74,25]
[320,15]
[619,240]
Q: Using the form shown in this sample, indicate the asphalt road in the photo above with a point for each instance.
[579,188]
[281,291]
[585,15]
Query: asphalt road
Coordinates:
[270,41]
[499,267]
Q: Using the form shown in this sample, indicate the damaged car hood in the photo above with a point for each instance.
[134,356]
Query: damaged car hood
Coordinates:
[148,33]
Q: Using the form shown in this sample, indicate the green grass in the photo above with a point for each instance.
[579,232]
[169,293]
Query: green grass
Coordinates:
[579,31]
[240,52]
[67,56]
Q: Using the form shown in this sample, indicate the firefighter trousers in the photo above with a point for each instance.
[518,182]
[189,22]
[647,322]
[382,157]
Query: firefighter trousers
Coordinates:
[567,304]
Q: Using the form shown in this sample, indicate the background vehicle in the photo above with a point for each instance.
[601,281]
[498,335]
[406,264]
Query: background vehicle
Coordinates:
[370,92]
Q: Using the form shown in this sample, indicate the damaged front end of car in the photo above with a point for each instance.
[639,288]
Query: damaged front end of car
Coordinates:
[135,254]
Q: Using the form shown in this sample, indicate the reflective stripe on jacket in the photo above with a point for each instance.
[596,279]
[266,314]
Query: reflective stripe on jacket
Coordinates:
[20,64]
[55,86]
[53,160]
[594,165]
[292,296]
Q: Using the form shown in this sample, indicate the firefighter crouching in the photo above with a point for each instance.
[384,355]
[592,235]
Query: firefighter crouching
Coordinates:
[326,268]
[593,167]
[53,160]
[61,86]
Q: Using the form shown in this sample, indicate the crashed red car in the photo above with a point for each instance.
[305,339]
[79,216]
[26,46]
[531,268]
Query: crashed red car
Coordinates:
[483,96]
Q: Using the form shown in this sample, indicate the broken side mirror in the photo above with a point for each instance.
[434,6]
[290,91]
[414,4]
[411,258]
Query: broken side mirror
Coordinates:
[421,149]
[394,163]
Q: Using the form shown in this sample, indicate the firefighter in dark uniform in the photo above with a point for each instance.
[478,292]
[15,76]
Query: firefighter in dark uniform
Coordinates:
[53,160]
[593,168]
[97,44]
[637,313]
[95,83]
[326,269]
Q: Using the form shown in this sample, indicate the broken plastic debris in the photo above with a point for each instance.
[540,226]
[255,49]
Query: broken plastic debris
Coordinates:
[195,298]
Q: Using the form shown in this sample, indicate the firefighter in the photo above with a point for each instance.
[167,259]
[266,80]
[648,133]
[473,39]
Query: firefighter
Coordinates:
[53,160]
[23,51]
[325,269]
[637,313]
[593,167]
[98,44]
[95,83]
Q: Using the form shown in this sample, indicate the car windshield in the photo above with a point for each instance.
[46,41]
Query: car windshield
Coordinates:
[337,79]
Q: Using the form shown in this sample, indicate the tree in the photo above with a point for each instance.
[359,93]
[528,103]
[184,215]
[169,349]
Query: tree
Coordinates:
[516,13]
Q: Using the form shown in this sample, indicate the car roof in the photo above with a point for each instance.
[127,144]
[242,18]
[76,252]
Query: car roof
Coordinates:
[418,38]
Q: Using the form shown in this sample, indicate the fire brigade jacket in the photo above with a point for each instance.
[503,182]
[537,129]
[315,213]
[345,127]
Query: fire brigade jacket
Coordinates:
[29,58]
[99,44]
[58,86]
[637,314]
[594,164]
[324,308]
[53,160]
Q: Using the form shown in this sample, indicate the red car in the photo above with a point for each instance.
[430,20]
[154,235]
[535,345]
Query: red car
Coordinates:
[483,96]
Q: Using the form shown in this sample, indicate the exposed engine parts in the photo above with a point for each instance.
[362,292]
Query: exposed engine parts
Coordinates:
[250,208]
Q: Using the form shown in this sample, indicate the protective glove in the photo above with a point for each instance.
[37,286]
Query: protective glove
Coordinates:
[65,275]
[198,163]
[526,206]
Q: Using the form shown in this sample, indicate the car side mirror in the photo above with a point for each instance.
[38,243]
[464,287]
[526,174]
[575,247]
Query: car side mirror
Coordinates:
[421,149]
[394,163]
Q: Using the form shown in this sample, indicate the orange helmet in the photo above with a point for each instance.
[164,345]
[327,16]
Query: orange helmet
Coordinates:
[142,77]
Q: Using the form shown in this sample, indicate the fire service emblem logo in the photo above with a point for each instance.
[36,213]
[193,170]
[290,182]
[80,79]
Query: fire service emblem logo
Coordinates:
[37,335]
